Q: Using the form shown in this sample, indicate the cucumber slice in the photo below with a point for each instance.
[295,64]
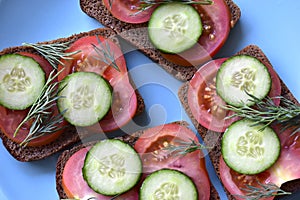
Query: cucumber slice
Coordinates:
[168,184]
[21,81]
[240,75]
[249,150]
[174,27]
[87,98]
[112,167]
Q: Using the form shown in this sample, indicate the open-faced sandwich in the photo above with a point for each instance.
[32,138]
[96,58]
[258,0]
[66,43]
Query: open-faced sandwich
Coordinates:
[55,93]
[251,121]
[148,164]
[178,35]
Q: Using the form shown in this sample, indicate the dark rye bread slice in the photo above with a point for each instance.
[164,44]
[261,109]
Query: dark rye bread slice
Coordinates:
[130,139]
[137,35]
[212,138]
[69,136]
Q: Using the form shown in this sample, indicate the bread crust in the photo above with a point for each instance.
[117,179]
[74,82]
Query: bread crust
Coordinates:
[137,35]
[210,137]
[70,136]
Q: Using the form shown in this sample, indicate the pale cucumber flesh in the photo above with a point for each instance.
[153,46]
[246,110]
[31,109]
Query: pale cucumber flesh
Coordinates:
[174,27]
[240,76]
[21,81]
[112,167]
[86,98]
[168,184]
[249,149]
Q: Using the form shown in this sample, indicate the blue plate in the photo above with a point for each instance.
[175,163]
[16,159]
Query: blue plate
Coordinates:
[272,25]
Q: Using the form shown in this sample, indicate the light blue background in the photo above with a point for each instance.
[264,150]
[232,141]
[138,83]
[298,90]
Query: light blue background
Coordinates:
[271,24]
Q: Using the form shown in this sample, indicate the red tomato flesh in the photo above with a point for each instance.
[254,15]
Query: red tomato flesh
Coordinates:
[124,103]
[206,105]
[154,157]
[216,24]
[10,119]
[276,84]
[286,168]
[216,27]
[149,146]
[76,187]
[128,10]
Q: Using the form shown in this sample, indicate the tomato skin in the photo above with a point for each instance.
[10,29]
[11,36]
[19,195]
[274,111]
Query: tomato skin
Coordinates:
[233,181]
[154,158]
[276,84]
[199,105]
[124,103]
[41,60]
[286,167]
[192,164]
[125,10]
[76,187]
[197,102]
[217,17]
[10,119]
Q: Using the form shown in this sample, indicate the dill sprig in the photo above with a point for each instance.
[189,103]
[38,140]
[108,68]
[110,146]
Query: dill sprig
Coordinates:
[92,198]
[262,191]
[147,4]
[142,8]
[115,197]
[287,115]
[182,147]
[155,2]
[43,122]
[53,53]
[105,54]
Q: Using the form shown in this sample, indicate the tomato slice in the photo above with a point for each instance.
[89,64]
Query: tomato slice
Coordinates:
[234,182]
[128,10]
[276,84]
[76,187]
[154,157]
[286,168]
[149,146]
[10,119]
[124,103]
[216,27]
[206,105]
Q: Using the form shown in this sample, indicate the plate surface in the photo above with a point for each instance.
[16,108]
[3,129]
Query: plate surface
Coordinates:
[272,25]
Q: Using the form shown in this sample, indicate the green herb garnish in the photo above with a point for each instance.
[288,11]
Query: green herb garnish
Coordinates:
[261,191]
[43,121]
[147,4]
[53,53]
[181,148]
[105,54]
[287,115]
[155,2]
